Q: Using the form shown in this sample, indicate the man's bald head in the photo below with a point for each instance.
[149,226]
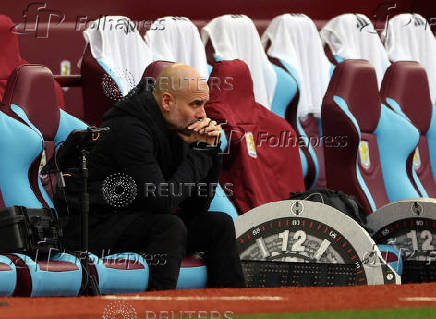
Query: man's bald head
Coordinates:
[181,93]
[179,78]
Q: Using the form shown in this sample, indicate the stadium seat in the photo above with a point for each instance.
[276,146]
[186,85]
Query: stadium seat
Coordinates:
[8,275]
[375,164]
[193,273]
[261,161]
[30,98]
[308,65]
[113,63]
[405,89]
[21,146]
[10,57]
[408,37]
[352,36]
[235,37]
[178,40]
[120,273]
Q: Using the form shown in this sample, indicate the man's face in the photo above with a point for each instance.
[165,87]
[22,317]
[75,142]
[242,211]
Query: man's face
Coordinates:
[187,104]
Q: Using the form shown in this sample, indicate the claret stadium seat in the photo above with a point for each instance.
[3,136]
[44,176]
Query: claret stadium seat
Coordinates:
[353,36]
[21,145]
[28,87]
[375,163]
[8,275]
[292,42]
[177,39]
[112,64]
[261,160]
[235,37]
[31,112]
[405,89]
[10,57]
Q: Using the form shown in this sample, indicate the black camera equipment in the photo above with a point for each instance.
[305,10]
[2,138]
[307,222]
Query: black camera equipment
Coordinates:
[72,154]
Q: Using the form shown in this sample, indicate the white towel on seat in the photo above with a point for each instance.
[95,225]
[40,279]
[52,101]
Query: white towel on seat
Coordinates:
[119,48]
[352,36]
[236,37]
[408,37]
[178,40]
[295,40]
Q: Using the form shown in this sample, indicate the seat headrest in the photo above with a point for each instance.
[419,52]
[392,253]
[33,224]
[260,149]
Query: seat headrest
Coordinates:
[10,56]
[356,82]
[406,82]
[230,83]
[155,68]
[31,87]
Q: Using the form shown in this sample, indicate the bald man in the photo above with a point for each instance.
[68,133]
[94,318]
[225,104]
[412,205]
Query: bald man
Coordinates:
[151,181]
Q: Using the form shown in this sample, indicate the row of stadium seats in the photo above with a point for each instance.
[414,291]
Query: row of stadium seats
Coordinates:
[291,42]
[370,167]
[30,120]
[377,164]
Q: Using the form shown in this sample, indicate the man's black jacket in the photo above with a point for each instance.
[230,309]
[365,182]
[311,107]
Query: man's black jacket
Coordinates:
[141,147]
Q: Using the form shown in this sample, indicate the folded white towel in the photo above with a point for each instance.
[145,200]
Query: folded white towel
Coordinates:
[236,37]
[352,36]
[119,48]
[177,40]
[295,40]
[408,37]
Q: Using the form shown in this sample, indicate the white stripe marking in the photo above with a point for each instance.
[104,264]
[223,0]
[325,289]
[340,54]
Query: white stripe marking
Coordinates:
[429,299]
[198,298]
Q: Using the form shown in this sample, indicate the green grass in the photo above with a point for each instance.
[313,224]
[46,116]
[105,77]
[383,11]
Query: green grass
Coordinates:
[403,313]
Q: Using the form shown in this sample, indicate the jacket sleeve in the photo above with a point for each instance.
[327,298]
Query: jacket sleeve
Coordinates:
[135,155]
[203,195]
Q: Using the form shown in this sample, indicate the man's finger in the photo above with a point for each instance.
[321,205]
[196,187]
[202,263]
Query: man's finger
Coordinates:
[209,127]
[212,128]
[197,126]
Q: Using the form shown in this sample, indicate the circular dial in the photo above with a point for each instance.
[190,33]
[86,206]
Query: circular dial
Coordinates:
[298,240]
[414,238]
[409,226]
[310,232]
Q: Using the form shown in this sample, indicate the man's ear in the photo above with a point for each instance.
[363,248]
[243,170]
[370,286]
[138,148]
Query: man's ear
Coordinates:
[167,101]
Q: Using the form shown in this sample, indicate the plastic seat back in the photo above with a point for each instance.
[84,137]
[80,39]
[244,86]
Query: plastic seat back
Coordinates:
[261,161]
[405,89]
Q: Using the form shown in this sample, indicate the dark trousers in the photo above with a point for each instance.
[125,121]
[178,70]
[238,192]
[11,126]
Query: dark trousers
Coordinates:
[164,239]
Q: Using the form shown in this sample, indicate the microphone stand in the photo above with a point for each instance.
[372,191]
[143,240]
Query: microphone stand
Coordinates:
[91,285]
[80,140]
